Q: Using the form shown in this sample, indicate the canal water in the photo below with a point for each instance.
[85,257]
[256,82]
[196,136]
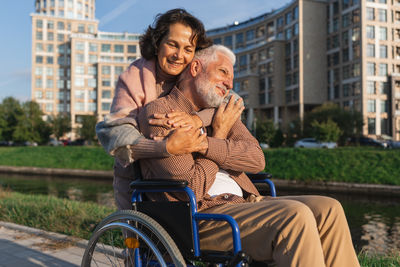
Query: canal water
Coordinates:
[374,222]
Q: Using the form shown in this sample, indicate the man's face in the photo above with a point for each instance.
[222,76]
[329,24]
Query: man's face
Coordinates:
[214,83]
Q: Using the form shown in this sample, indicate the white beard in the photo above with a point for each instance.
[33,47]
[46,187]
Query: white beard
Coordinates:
[207,92]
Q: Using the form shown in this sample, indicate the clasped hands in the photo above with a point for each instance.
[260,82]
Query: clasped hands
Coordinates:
[183,131]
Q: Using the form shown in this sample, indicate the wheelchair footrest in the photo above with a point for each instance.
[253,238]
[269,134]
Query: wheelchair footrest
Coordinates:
[225,257]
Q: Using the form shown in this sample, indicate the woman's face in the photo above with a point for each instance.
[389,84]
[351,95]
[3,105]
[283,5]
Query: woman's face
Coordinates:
[176,51]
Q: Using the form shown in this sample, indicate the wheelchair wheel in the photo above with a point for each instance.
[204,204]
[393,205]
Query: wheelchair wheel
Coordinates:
[131,238]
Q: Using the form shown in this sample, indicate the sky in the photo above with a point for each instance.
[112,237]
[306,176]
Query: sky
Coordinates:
[115,16]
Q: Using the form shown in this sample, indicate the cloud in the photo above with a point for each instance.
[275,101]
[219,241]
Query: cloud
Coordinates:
[110,16]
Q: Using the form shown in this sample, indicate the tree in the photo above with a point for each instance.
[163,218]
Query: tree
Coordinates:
[349,122]
[265,130]
[11,112]
[88,129]
[327,131]
[60,125]
[3,123]
[30,125]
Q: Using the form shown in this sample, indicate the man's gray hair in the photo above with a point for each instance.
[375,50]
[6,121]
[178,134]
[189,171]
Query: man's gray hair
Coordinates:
[210,54]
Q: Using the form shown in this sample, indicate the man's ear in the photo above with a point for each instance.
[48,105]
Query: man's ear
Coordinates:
[195,67]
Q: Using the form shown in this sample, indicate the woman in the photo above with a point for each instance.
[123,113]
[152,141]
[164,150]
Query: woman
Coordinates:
[166,50]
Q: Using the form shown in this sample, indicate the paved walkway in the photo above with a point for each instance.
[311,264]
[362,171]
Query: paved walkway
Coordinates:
[22,246]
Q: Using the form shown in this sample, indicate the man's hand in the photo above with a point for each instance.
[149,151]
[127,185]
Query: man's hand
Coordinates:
[226,116]
[186,140]
[176,119]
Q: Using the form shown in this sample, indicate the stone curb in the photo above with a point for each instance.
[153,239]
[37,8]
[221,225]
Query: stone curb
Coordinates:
[78,242]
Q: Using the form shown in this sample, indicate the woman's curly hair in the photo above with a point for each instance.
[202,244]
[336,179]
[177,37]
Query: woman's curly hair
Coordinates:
[151,39]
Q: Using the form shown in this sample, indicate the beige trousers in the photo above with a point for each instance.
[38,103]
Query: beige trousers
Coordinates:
[302,231]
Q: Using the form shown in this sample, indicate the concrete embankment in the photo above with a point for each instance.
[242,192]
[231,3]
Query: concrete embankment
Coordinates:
[281,185]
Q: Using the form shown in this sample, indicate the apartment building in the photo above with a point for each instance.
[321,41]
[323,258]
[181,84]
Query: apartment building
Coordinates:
[74,65]
[309,52]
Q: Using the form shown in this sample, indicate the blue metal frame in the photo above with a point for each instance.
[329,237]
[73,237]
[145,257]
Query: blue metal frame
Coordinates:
[269,182]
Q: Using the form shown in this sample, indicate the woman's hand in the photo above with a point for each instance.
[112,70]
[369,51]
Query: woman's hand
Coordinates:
[226,116]
[186,140]
[176,119]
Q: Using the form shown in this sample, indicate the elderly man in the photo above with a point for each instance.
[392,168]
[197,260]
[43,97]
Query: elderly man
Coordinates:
[291,231]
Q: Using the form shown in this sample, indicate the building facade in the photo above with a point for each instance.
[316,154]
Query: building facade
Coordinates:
[74,65]
[310,52]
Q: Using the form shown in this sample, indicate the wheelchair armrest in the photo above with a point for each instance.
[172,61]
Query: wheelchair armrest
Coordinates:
[158,184]
[259,176]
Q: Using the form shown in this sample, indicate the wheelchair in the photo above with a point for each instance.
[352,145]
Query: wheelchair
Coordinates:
[163,233]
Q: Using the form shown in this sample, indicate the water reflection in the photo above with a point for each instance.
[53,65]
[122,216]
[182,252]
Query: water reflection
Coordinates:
[99,191]
[374,222]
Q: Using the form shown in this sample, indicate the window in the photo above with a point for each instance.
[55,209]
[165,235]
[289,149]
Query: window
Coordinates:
[288,33]
[39,59]
[38,94]
[38,71]
[279,22]
[49,60]
[50,48]
[39,47]
[355,34]
[295,13]
[346,20]
[80,58]
[49,95]
[92,70]
[105,48]
[92,82]
[383,51]
[39,23]
[371,125]
[80,46]
[60,37]
[345,4]
[61,49]
[105,106]
[60,25]
[382,33]
[79,106]
[370,50]
[50,36]
[260,31]
[60,84]
[370,32]
[371,90]
[106,94]
[383,69]
[118,48]
[49,107]
[79,69]
[131,48]
[118,70]
[106,82]
[79,81]
[91,28]
[239,40]
[370,13]
[92,47]
[228,41]
[38,83]
[106,70]
[92,58]
[371,105]
[288,18]
[79,94]
[250,35]
[92,95]
[384,106]
[39,36]
[81,28]
[49,71]
[382,15]
[50,25]
[370,68]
